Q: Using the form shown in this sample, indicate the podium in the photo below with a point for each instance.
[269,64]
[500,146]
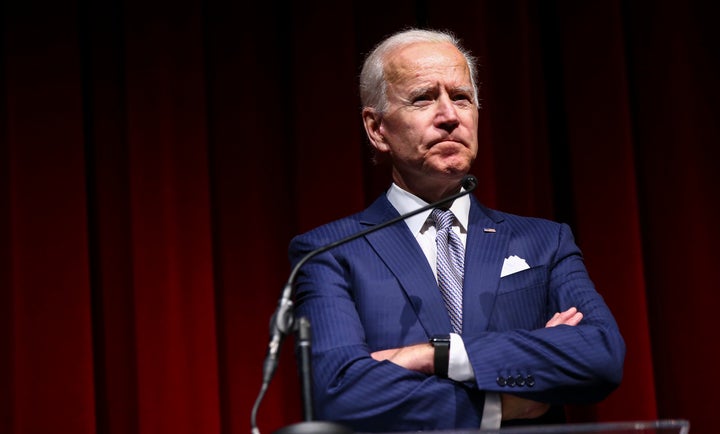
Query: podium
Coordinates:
[674,426]
[669,426]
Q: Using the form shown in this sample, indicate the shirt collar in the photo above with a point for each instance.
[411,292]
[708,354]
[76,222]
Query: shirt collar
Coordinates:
[405,202]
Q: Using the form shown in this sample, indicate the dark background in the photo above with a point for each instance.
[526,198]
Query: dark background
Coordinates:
[156,157]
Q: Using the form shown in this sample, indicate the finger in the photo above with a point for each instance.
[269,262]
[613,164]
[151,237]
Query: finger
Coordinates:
[570,317]
[564,316]
[383,354]
[575,319]
[552,322]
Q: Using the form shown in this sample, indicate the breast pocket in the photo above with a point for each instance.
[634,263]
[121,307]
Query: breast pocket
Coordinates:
[521,301]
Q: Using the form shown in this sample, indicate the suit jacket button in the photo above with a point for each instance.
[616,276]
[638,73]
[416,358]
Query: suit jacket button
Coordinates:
[511,381]
[530,381]
[501,381]
[520,380]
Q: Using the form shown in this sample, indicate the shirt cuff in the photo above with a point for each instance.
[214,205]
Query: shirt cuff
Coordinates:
[492,412]
[459,367]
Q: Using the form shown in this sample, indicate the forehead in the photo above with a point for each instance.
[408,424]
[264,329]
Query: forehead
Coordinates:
[426,62]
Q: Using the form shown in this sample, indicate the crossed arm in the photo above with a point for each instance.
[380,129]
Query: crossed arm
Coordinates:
[420,358]
[356,301]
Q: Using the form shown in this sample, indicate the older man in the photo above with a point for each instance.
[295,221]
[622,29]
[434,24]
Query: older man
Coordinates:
[461,316]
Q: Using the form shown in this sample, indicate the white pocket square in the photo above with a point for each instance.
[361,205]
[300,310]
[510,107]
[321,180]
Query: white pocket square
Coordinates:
[513,264]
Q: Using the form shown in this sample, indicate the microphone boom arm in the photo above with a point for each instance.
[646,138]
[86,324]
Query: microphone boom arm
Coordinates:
[282,322]
[469,183]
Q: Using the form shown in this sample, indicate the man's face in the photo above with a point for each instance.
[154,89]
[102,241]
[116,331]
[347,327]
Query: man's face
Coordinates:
[430,128]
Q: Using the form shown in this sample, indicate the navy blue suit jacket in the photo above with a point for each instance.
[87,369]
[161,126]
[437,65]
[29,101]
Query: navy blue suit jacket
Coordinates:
[379,292]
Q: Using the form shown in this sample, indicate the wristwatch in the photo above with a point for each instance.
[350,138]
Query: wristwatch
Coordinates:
[441,344]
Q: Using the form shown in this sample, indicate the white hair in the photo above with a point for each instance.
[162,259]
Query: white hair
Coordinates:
[373,87]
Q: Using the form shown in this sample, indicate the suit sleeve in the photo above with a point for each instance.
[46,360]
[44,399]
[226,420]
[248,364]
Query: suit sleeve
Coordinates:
[352,388]
[559,365]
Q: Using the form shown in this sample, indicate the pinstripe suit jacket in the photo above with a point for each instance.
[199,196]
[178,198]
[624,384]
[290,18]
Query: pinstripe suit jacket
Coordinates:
[379,292]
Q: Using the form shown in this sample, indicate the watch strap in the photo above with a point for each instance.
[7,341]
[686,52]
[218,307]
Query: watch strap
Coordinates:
[441,360]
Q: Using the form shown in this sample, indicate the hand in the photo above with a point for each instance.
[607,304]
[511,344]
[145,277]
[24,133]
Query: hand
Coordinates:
[571,317]
[419,357]
[514,407]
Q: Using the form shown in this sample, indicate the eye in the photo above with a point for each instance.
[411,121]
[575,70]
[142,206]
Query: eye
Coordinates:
[462,97]
[421,99]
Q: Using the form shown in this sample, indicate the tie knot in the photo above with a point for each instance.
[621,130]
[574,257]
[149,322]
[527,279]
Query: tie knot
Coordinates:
[443,218]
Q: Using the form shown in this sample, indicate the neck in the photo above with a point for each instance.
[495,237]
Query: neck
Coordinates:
[430,190]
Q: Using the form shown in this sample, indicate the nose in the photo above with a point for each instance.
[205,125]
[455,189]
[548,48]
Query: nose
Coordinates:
[446,116]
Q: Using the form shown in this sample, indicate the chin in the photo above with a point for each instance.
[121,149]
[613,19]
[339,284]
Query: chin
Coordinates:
[451,167]
[454,163]
[452,174]
[456,170]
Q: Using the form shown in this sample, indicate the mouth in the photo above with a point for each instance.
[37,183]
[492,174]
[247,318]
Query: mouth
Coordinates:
[445,142]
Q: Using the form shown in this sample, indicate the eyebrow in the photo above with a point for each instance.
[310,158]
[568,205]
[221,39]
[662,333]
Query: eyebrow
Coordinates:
[467,89]
[420,92]
[429,89]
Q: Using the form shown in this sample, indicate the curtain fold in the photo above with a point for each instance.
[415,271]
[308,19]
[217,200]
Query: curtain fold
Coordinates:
[49,352]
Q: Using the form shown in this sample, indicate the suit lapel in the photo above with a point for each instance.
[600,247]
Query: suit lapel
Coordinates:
[399,250]
[484,256]
[486,247]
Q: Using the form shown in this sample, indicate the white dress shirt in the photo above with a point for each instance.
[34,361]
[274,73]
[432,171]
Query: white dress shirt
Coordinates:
[423,228]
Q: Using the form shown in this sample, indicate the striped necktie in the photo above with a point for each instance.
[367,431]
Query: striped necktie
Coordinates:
[450,265]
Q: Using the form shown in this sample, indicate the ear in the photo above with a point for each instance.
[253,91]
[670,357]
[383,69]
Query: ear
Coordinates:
[373,127]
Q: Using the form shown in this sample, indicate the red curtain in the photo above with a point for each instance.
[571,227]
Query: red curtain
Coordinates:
[157,157]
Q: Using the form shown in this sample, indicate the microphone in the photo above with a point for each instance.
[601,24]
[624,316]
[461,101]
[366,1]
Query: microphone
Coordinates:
[283,320]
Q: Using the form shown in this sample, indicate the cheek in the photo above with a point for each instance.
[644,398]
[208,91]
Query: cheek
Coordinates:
[401,135]
[472,129]
[470,118]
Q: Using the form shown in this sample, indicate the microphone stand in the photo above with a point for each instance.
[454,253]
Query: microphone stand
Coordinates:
[283,322]
[304,345]
[309,426]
